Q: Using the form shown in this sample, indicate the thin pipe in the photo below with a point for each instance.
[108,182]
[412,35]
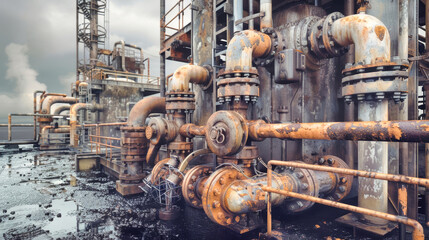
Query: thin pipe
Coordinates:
[251,21]
[238,14]
[417,228]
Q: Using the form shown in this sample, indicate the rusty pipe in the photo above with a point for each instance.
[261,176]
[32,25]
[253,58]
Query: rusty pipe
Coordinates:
[59,129]
[46,108]
[417,228]
[191,130]
[35,111]
[357,173]
[394,131]
[427,24]
[61,109]
[188,74]
[143,108]
[368,34]
[74,109]
[267,9]
[244,47]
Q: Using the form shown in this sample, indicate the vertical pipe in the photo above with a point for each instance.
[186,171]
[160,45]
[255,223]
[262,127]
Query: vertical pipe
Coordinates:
[93,54]
[238,14]
[77,42]
[372,156]
[162,55]
[269,180]
[403,112]
[251,22]
[427,24]
[349,109]
[9,127]
[426,91]
[267,9]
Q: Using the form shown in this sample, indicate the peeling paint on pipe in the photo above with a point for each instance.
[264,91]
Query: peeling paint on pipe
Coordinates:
[143,108]
[188,74]
[369,35]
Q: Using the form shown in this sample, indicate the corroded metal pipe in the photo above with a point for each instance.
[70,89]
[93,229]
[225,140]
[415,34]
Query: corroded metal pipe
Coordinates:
[61,109]
[244,47]
[74,109]
[191,130]
[143,108]
[46,108]
[35,111]
[188,74]
[369,35]
[394,131]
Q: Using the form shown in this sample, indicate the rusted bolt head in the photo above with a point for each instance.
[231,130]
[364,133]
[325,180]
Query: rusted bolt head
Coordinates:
[190,187]
[321,161]
[216,204]
[228,220]
[220,215]
[343,180]
[221,181]
[305,186]
[299,174]
[331,161]
[237,218]
[300,204]
[342,189]
[216,192]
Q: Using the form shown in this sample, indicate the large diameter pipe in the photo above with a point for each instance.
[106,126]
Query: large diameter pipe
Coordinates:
[74,109]
[244,47]
[392,131]
[143,108]
[46,108]
[188,74]
[369,35]
[372,156]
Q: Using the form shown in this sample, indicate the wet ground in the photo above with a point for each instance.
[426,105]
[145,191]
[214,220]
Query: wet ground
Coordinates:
[42,197]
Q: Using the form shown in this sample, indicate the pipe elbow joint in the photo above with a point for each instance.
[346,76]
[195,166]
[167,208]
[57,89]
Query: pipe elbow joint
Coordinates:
[190,74]
[369,35]
[244,47]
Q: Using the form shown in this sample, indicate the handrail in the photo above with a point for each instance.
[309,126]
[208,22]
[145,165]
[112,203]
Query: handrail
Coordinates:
[417,228]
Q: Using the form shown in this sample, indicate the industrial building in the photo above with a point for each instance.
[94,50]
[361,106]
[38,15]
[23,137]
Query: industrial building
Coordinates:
[281,107]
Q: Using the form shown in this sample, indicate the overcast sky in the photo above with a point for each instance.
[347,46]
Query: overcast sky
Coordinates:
[37,45]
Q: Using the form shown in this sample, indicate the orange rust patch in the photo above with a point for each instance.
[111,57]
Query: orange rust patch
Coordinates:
[380,31]
[395,131]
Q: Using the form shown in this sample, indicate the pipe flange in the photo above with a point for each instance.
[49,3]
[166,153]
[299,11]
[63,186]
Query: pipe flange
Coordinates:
[306,185]
[331,46]
[213,195]
[321,40]
[375,81]
[238,86]
[180,101]
[158,172]
[344,181]
[245,156]
[226,133]
[209,83]
[195,178]
[161,131]
[302,31]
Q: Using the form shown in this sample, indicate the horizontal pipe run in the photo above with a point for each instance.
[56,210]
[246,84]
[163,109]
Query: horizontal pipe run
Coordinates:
[357,173]
[417,228]
[191,130]
[394,131]
[46,107]
[17,125]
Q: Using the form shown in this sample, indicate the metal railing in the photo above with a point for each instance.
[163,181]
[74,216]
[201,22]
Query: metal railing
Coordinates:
[178,18]
[98,142]
[417,227]
[105,74]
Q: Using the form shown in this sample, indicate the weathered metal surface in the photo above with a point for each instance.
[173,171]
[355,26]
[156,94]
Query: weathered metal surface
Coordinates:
[188,74]
[396,131]
[143,108]
[368,34]
[193,184]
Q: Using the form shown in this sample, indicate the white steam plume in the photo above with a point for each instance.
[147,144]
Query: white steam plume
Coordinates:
[25,79]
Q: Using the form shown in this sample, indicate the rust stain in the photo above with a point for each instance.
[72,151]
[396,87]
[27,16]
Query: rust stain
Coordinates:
[380,31]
